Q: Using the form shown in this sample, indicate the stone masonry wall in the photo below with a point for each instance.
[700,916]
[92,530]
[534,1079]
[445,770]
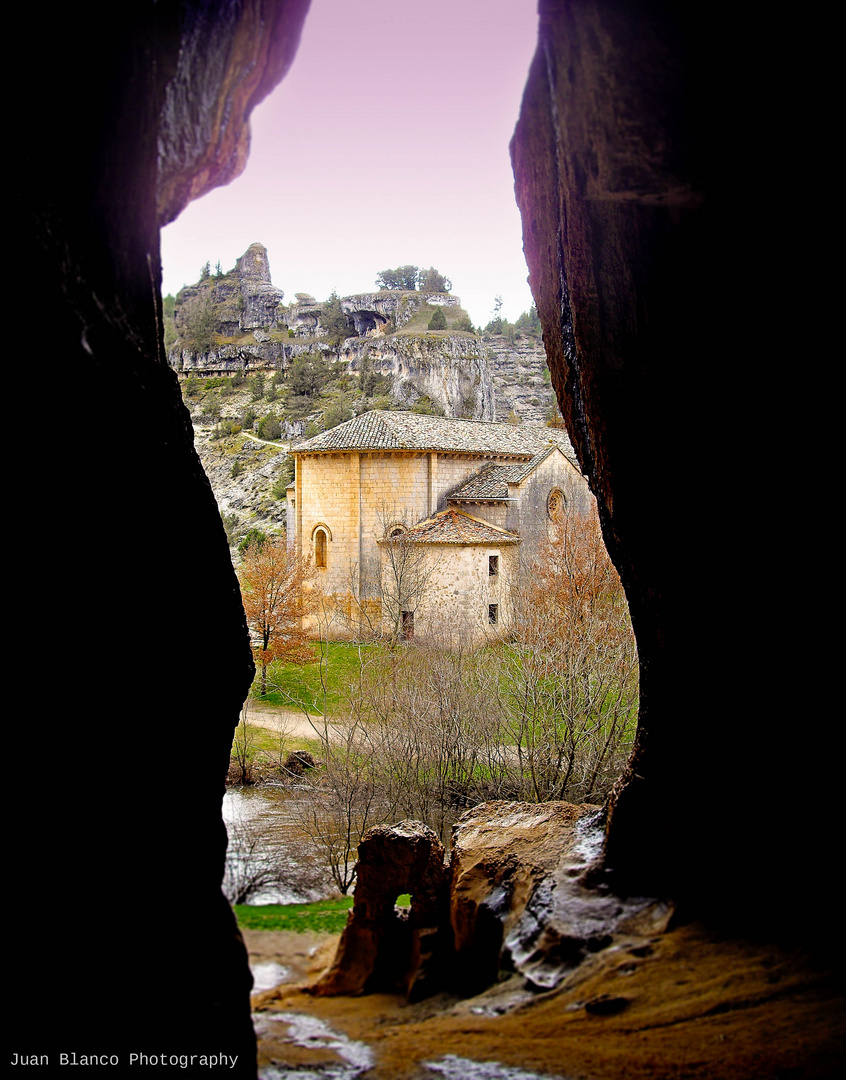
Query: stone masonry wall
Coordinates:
[357,495]
[454,607]
[528,514]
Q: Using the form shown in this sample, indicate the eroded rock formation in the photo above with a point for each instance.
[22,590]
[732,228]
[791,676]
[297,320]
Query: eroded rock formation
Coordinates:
[383,948]
[523,893]
[520,379]
[236,322]
[243,306]
[502,851]
[450,369]
[390,309]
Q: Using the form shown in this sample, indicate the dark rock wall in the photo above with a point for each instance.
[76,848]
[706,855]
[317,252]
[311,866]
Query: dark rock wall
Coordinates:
[602,213]
[122,849]
[639,178]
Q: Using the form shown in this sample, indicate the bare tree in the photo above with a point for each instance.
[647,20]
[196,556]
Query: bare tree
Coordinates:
[431,729]
[243,748]
[344,799]
[385,596]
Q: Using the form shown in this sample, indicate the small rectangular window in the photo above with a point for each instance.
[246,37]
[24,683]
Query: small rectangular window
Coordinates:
[493,614]
[493,565]
[408,626]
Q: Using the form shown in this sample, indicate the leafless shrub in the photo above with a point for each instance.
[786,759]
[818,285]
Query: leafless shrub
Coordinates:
[429,730]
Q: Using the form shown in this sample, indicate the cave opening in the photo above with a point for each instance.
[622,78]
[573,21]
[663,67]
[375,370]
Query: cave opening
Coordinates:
[145,607]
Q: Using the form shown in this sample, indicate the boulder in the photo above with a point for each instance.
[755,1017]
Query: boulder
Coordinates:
[502,853]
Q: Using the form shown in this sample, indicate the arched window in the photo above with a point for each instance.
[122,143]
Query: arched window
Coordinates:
[320,546]
[556,504]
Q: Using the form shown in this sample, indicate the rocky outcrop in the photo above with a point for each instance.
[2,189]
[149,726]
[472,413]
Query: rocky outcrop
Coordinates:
[231,322]
[216,63]
[523,894]
[627,222]
[381,947]
[449,368]
[241,323]
[501,853]
[303,318]
[389,309]
[262,299]
[154,111]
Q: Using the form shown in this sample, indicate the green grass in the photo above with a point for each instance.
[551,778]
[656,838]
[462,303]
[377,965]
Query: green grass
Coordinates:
[327,916]
[301,686]
[324,916]
[419,322]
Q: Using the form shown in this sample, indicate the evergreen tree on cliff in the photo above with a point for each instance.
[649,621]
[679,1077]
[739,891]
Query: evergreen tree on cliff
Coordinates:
[438,320]
[433,280]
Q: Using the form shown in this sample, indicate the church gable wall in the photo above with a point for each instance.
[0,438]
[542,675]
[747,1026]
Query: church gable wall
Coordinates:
[492,513]
[453,471]
[393,487]
[528,515]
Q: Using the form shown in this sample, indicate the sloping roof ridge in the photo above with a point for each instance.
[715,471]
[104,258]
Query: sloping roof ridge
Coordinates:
[388,430]
[479,521]
[479,488]
[465,525]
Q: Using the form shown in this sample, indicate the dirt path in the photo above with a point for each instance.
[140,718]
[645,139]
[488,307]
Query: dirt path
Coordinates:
[291,722]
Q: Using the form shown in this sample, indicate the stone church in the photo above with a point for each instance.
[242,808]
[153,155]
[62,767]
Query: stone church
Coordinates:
[422,523]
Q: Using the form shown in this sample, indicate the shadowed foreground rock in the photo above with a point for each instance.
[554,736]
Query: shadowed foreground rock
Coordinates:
[382,948]
[635,176]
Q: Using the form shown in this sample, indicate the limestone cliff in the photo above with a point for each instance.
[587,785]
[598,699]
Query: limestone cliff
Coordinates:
[230,322]
[519,378]
[379,311]
[449,368]
[236,321]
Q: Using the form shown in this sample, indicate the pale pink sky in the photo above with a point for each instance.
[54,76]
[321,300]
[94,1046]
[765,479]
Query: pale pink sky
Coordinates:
[387,143]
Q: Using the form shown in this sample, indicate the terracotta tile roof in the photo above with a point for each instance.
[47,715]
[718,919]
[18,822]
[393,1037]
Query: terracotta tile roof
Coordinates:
[455,527]
[491,484]
[407,431]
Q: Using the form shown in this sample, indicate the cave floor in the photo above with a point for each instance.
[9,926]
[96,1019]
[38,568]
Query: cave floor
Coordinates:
[682,1004]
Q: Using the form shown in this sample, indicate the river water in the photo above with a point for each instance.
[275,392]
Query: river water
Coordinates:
[269,846]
